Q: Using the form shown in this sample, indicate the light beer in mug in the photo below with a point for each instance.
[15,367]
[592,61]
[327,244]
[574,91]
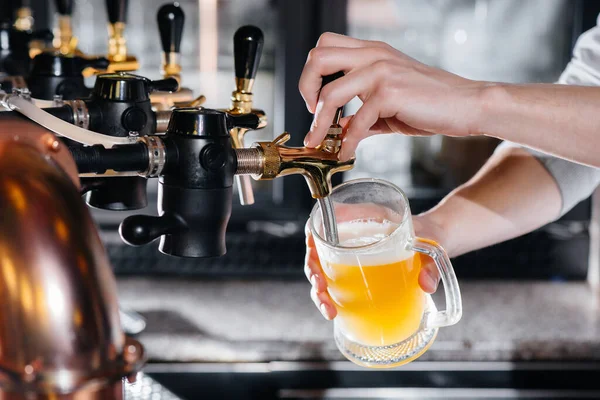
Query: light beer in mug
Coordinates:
[378,297]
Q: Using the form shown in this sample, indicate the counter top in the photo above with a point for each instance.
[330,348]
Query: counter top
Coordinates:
[257,321]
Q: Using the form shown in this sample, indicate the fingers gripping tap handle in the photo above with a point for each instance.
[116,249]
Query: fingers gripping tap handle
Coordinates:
[326,80]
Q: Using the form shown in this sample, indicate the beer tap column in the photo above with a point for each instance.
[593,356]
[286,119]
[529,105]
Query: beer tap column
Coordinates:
[170,19]
[117,45]
[64,40]
[195,187]
[120,106]
[269,160]
[247,48]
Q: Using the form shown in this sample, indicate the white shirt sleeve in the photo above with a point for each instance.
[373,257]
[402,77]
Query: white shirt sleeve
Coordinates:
[575,181]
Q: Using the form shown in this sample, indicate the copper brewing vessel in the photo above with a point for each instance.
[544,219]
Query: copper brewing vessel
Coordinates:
[60,334]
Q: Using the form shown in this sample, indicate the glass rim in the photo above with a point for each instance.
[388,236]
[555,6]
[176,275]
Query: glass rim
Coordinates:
[365,246]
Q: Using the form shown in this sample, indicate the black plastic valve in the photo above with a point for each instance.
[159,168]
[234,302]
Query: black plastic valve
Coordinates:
[247,48]
[195,191]
[122,86]
[14,48]
[170,19]
[58,74]
[120,106]
[117,10]
[64,7]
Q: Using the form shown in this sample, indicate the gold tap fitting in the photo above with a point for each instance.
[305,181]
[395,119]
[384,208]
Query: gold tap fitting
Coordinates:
[171,67]
[24,21]
[117,50]
[269,160]
[64,41]
[117,45]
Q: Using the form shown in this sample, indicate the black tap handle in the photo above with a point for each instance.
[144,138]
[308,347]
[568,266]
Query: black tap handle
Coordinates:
[164,85]
[170,18]
[330,78]
[138,230]
[98,63]
[326,80]
[42,34]
[117,10]
[64,7]
[248,121]
[247,47]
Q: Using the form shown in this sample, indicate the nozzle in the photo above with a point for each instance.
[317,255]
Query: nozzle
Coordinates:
[270,160]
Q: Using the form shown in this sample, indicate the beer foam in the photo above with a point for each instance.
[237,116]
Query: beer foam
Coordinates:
[360,233]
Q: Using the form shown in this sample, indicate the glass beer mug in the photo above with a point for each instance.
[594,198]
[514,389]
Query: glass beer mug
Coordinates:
[384,317]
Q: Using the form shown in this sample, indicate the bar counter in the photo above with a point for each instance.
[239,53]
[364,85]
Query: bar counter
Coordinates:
[260,321]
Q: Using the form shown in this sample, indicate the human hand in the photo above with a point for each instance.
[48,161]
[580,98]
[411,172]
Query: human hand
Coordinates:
[399,94]
[428,278]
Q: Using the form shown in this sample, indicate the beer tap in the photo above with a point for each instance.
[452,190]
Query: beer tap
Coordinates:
[171,18]
[269,160]
[54,74]
[15,60]
[117,45]
[24,20]
[247,48]
[64,40]
[195,184]
[120,106]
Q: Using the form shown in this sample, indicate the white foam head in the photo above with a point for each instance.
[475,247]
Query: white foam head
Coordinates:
[359,233]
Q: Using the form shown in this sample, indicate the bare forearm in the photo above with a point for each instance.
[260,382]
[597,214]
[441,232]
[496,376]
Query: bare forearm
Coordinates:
[557,119]
[511,195]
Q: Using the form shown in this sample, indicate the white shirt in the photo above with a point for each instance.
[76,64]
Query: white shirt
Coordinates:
[575,181]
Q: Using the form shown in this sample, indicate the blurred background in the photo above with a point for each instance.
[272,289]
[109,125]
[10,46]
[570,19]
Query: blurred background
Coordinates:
[230,309]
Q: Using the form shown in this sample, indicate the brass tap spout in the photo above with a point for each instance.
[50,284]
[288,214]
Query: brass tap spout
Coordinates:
[64,40]
[269,160]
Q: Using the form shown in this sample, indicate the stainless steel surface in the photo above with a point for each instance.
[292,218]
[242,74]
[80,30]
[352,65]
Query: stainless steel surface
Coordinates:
[162,120]
[342,380]
[59,323]
[81,115]
[157,156]
[437,393]
[328,218]
[133,323]
[245,192]
[146,388]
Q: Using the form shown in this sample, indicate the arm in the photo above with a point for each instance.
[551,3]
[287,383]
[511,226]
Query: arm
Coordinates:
[402,95]
[511,195]
[556,119]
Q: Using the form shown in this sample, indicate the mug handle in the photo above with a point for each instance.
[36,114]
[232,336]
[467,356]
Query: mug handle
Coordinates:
[451,315]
